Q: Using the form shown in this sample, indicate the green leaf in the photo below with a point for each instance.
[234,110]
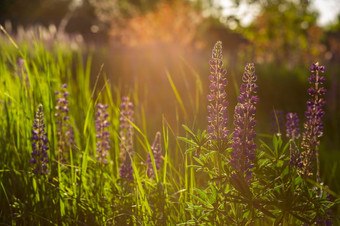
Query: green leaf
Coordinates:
[285,172]
[278,220]
[190,150]
[246,214]
[298,180]
[198,160]
[193,166]
[267,149]
[186,140]
[188,130]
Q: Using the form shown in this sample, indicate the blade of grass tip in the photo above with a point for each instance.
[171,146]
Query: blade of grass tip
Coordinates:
[5,193]
[192,176]
[88,71]
[166,147]
[178,97]
[74,181]
[187,85]
[143,119]
[11,40]
[177,145]
[61,189]
[199,87]
[90,108]
[236,87]
[115,124]
[146,146]
[145,203]
[186,179]
[83,181]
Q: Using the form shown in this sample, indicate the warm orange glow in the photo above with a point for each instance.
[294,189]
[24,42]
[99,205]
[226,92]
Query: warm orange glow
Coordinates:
[175,23]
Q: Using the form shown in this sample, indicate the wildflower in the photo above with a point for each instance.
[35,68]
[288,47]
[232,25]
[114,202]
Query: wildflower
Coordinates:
[65,134]
[39,144]
[217,107]
[293,132]
[276,121]
[126,135]
[292,126]
[102,133]
[243,153]
[157,154]
[313,127]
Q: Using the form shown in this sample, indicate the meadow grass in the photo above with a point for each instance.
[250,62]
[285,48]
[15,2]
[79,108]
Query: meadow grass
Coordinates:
[193,185]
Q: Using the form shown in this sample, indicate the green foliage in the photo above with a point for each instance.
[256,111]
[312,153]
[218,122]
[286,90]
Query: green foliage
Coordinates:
[195,185]
[277,194]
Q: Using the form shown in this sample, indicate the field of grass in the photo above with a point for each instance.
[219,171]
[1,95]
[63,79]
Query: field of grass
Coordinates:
[102,166]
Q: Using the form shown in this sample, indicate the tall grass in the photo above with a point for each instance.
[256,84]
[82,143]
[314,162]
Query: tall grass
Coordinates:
[80,190]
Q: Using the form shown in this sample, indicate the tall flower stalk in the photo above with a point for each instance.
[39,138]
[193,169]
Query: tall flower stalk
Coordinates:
[243,153]
[293,132]
[39,144]
[313,127]
[126,135]
[217,107]
[157,154]
[102,133]
[65,134]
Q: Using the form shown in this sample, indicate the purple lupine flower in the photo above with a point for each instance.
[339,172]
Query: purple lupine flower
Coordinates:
[39,144]
[313,127]
[276,121]
[102,133]
[65,134]
[292,126]
[157,154]
[243,153]
[217,107]
[126,135]
[293,132]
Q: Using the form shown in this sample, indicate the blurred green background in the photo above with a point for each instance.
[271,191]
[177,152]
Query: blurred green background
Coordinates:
[138,43]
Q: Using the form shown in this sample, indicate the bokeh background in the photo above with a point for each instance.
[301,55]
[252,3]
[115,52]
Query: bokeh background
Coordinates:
[144,46]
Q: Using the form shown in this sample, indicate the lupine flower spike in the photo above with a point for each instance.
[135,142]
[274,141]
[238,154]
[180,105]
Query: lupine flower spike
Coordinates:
[126,135]
[243,153]
[217,107]
[293,132]
[313,127]
[102,133]
[65,134]
[39,144]
[157,154]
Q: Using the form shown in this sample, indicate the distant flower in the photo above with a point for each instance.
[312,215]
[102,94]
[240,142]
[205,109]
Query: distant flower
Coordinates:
[292,126]
[126,135]
[39,144]
[243,153]
[277,121]
[217,107]
[102,133]
[65,134]
[157,154]
[313,127]
[293,132]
